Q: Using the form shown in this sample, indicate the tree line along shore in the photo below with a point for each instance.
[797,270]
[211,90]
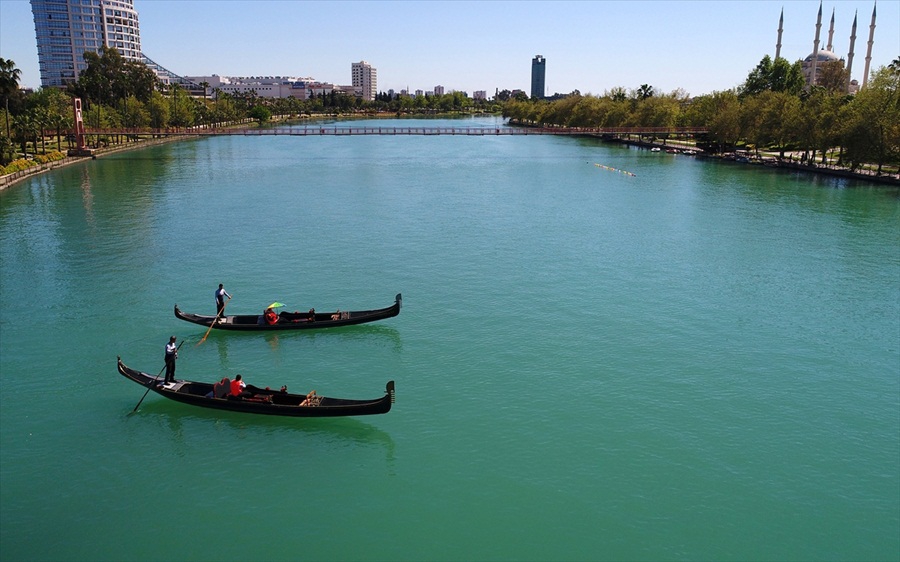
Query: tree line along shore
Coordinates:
[772,117]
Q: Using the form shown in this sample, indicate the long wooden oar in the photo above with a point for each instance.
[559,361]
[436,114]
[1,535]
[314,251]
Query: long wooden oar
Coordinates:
[154,381]
[216,319]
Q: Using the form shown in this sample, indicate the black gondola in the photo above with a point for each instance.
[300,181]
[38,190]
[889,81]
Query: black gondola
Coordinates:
[259,400]
[293,320]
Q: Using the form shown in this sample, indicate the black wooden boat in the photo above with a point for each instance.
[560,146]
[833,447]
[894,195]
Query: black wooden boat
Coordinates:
[293,320]
[260,400]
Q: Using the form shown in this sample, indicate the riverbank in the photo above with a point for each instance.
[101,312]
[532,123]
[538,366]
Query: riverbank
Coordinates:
[767,159]
[135,143]
[675,146]
[10,180]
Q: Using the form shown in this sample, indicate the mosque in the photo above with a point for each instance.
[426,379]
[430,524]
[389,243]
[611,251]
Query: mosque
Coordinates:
[813,64]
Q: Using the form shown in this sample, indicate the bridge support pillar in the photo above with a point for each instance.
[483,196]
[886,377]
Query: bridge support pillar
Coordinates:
[81,148]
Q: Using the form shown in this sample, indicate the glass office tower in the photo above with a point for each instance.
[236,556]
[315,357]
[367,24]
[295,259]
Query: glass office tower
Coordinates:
[538,71]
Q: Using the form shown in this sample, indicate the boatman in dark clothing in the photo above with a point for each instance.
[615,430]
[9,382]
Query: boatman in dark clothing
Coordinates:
[171,356]
[220,299]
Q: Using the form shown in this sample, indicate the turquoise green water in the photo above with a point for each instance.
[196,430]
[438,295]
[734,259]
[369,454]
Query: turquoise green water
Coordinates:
[700,362]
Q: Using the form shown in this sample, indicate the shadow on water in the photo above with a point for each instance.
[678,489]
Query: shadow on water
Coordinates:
[377,335]
[180,420]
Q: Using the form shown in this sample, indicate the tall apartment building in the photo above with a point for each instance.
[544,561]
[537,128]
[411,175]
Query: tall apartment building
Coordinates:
[365,80]
[538,73]
[65,29]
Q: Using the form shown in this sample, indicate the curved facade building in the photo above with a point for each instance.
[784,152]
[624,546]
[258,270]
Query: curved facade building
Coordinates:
[66,29]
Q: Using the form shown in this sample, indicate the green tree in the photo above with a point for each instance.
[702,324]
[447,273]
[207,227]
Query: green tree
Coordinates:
[720,113]
[617,94]
[9,84]
[777,76]
[26,128]
[588,112]
[181,111]
[98,83]
[139,81]
[643,92]
[559,112]
[780,112]
[109,78]
[871,131]
[261,114]
[159,111]
[817,126]
[834,77]
[135,115]
[655,111]
[895,65]
[55,107]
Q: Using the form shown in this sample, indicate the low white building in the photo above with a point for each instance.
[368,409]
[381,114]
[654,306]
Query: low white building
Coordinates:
[267,86]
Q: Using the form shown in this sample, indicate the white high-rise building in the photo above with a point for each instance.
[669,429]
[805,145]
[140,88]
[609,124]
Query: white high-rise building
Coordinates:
[66,29]
[365,80]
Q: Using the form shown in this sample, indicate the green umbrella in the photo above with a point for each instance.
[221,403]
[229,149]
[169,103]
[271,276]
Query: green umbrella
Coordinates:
[275,305]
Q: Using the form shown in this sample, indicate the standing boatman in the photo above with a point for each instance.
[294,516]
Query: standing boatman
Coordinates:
[171,356]
[220,299]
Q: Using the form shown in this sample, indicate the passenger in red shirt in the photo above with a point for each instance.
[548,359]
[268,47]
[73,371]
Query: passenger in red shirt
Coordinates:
[237,387]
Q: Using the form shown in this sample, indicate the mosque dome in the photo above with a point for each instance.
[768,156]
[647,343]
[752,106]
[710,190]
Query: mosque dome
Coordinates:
[824,56]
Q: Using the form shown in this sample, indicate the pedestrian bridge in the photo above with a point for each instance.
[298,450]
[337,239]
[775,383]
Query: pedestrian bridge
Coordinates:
[347,131]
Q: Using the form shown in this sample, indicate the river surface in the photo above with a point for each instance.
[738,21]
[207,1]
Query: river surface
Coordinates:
[697,362]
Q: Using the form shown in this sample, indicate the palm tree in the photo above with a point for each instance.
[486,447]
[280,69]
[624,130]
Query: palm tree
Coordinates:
[894,66]
[26,127]
[645,91]
[9,84]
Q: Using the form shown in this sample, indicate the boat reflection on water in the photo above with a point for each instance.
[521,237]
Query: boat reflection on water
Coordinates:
[380,336]
[183,424]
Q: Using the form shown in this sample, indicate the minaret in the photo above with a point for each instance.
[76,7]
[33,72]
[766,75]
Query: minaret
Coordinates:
[830,46]
[869,49]
[815,55]
[850,54]
[780,30]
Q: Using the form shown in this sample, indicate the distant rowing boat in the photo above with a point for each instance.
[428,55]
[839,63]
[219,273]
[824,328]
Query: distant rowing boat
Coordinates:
[293,320]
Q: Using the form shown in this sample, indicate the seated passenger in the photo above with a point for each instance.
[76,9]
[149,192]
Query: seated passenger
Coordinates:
[310,399]
[271,316]
[222,388]
[237,388]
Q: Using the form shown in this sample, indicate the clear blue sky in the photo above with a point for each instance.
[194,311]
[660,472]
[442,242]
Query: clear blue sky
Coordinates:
[592,46]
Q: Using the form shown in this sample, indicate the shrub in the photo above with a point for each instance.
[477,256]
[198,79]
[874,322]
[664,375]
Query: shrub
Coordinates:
[23,164]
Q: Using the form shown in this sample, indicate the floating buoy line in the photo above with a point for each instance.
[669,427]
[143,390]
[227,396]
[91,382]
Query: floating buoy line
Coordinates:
[608,168]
